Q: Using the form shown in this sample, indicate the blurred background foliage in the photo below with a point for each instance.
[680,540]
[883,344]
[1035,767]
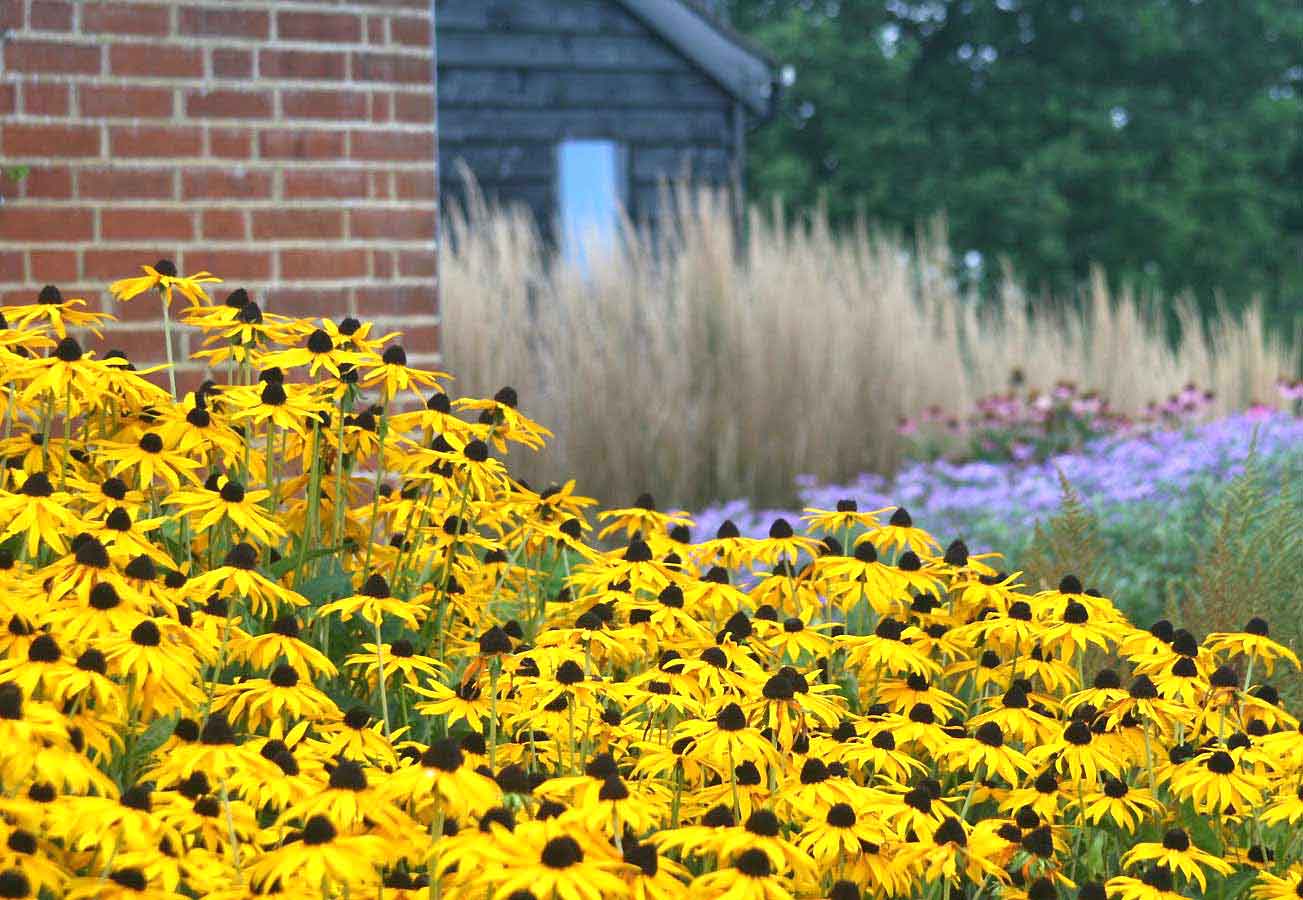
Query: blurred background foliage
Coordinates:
[1161,140]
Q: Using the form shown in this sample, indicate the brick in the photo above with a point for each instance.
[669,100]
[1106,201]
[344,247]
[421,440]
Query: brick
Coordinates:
[44,98]
[323,104]
[141,345]
[51,266]
[382,263]
[105,265]
[416,264]
[332,28]
[135,184]
[381,185]
[144,222]
[117,17]
[8,98]
[223,225]
[47,15]
[376,32]
[143,310]
[299,144]
[155,140]
[216,21]
[288,301]
[414,107]
[156,61]
[380,144]
[232,63]
[11,14]
[302,64]
[422,341]
[11,264]
[230,143]
[237,266]
[344,262]
[392,67]
[382,108]
[290,224]
[50,140]
[395,224]
[45,225]
[52,57]
[395,300]
[413,31]
[223,184]
[124,101]
[227,104]
[48,183]
[415,185]
[337,183]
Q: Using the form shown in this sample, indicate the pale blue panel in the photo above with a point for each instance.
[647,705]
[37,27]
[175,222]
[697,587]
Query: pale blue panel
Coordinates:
[590,193]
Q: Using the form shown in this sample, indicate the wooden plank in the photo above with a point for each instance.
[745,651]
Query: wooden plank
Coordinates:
[651,163]
[556,51]
[573,16]
[547,88]
[630,126]
[539,197]
[502,162]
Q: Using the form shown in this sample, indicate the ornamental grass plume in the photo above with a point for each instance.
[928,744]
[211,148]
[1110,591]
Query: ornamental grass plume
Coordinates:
[788,347]
[278,637]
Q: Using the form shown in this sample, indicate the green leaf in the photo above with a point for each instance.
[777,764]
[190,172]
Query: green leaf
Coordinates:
[325,587]
[289,563]
[153,737]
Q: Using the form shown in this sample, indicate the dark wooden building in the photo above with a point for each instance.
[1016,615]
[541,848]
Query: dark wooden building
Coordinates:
[578,107]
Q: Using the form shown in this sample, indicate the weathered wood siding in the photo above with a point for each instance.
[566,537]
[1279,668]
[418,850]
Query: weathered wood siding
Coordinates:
[516,77]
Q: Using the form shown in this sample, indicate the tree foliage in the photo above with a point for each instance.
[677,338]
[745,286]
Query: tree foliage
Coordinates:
[1159,139]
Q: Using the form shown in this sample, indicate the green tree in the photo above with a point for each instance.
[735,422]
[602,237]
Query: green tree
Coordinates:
[1159,139]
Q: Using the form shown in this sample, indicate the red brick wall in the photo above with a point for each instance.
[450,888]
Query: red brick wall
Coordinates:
[285,145]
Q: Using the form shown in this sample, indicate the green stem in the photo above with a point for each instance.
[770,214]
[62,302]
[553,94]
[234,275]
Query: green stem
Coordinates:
[230,828]
[494,666]
[375,488]
[380,662]
[167,342]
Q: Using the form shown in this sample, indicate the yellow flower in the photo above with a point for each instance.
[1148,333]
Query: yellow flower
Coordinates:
[393,375]
[163,275]
[321,855]
[60,313]
[1178,854]
[150,459]
[232,503]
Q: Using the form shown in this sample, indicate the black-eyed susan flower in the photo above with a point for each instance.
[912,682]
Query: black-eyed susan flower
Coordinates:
[1125,805]
[163,275]
[232,503]
[321,855]
[60,313]
[391,374]
[238,576]
[273,700]
[553,860]
[1214,781]
[440,777]
[1177,853]
[900,534]
[40,514]
[149,459]
[1278,887]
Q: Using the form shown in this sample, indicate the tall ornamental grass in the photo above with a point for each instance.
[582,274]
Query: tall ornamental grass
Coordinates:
[703,367]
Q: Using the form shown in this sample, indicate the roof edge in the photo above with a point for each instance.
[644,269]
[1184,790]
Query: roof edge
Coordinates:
[738,66]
